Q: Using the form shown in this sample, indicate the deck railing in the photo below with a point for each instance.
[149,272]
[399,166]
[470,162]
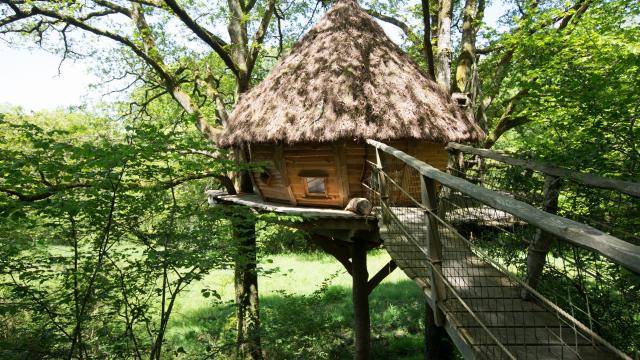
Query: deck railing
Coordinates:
[452,235]
[606,290]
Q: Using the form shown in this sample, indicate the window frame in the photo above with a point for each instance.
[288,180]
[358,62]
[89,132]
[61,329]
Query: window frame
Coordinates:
[305,180]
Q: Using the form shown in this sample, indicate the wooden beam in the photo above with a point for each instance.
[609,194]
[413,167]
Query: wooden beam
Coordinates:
[360,297]
[341,253]
[280,164]
[434,247]
[342,172]
[627,187]
[619,251]
[381,275]
[383,189]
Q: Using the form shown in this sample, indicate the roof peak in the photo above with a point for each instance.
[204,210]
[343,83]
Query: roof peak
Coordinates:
[345,79]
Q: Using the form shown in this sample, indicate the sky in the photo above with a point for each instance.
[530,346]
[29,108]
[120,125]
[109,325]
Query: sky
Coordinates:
[29,78]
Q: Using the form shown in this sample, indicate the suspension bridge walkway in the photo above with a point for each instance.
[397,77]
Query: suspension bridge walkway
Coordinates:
[451,237]
[507,251]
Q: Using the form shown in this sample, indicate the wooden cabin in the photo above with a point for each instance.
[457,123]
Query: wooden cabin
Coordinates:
[344,81]
[325,174]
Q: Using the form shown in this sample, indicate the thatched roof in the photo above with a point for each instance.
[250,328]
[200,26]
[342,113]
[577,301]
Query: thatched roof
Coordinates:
[345,79]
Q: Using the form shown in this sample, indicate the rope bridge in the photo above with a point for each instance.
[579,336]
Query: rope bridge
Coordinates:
[480,253]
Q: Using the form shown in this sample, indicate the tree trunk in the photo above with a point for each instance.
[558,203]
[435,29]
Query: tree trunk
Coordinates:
[246,279]
[246,288]
[467,58]
[443,55]
[427,47]
[539,247]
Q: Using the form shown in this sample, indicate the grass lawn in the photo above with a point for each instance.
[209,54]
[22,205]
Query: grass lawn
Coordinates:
[305,312]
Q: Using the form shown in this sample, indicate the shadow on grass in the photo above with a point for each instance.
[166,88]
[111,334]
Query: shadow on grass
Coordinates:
[316,326]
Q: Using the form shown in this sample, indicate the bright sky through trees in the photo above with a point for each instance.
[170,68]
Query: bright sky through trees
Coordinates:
[29,78]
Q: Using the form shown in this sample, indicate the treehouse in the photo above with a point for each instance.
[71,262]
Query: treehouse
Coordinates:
[343,82]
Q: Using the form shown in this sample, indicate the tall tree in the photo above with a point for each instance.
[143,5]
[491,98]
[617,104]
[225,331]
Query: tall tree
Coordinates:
[473,13]
[127,24]
[445,45]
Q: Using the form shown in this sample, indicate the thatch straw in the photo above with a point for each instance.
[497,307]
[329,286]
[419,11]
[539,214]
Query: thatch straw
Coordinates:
[345,79]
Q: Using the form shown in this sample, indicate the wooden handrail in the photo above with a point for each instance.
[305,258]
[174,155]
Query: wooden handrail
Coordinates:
[621,252]
[627,187]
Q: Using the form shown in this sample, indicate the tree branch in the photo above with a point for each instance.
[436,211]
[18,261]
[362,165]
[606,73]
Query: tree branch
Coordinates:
[34,11]
[216,43]
[50,191]
[258,38]
[427,47]
[223,179]
[393,21]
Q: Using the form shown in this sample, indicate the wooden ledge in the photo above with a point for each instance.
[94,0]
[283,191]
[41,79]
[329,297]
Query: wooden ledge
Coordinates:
[315,219]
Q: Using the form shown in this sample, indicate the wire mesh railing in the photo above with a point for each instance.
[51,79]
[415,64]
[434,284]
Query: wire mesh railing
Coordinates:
[454,243]
[596,289]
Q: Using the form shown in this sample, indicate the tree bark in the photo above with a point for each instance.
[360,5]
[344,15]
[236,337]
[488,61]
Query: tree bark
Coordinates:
[539,247]
[427,47]
[246,288]
[246,283]
[443,55]
[472,15]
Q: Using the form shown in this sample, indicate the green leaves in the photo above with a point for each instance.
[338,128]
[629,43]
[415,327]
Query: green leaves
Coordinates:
[103,221]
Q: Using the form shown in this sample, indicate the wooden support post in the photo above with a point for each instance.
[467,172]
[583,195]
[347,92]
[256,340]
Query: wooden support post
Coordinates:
[434,247]
[455,165]
[438,345]
[382,186]
[538,248]
[360,298]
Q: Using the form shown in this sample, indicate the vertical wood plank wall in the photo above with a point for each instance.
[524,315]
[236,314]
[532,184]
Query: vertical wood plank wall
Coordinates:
[338,160]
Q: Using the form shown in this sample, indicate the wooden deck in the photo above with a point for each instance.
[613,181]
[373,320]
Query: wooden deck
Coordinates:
[527,329]
[256,202]
[328,223]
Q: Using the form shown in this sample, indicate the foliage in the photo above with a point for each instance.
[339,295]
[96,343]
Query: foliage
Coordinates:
[577,86]
[129,227]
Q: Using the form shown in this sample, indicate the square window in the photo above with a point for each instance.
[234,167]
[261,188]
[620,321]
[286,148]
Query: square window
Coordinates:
[315,185]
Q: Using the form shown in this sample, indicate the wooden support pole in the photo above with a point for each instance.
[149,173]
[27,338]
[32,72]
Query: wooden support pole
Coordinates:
[434,247]
[360,297]
[382,185]
[438,345]
[455,164]
[538,248]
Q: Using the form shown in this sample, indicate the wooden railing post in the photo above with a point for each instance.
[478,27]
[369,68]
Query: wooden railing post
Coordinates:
[383,189]
[455,164]
[434,247]
[539,247]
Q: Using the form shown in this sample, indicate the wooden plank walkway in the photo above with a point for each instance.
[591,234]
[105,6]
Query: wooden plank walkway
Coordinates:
[527,329]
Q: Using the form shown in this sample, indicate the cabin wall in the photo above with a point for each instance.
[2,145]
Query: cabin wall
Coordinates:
[310,157]
[431,153]
[343,164]
[276,188]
